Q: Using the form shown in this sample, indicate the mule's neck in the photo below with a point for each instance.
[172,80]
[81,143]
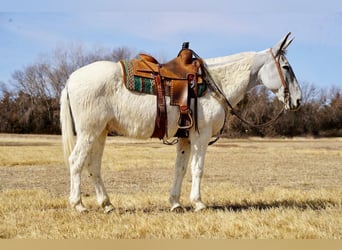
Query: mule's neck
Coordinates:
[235,74]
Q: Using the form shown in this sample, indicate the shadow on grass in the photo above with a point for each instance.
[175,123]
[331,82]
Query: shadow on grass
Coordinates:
[314,204]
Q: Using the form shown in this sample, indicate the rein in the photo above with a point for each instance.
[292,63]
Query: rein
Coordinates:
[229,108]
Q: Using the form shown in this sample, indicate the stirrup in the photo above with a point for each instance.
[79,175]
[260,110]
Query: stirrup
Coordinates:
[179,123]
[170,143]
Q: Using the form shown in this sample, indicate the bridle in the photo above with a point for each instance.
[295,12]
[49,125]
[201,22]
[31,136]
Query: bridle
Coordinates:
[229,108]
[282,79]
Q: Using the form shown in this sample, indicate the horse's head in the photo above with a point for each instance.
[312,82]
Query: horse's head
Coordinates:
[277,75]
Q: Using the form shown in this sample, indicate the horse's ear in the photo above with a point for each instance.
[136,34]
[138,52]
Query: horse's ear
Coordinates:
[282,44]
[288,42]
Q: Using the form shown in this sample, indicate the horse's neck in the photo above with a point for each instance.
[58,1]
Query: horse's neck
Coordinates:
[233,74]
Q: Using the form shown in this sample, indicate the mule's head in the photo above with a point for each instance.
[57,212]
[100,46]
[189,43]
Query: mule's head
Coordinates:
[277,75]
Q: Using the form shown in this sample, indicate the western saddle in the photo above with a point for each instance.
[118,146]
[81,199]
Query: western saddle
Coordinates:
[180,78]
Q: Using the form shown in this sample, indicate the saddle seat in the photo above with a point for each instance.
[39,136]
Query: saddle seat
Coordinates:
[176,69]
[179,79]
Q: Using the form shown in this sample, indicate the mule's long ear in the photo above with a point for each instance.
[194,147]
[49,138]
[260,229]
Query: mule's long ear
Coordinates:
[282,44]
[288,42]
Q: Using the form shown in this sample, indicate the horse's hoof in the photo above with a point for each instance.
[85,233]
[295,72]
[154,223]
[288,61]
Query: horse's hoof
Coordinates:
[81,209]
[108,209]
[177,209]
[199,207]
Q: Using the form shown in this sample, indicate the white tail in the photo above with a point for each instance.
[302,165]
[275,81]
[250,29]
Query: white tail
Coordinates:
[68,138]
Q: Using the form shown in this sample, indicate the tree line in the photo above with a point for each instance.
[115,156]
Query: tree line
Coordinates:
[320,114]
[29,103]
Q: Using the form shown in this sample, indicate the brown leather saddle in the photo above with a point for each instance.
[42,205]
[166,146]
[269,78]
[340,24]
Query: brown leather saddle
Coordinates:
[180,78]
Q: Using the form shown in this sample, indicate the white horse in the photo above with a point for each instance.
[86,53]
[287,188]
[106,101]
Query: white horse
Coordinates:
[95,101]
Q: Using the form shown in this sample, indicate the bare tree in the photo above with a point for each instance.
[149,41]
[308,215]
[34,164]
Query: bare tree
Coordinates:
[121,53]
[37,87]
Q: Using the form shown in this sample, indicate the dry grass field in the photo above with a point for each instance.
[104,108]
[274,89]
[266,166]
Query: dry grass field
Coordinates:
[254,189]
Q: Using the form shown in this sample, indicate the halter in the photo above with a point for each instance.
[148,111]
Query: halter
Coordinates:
[228,105]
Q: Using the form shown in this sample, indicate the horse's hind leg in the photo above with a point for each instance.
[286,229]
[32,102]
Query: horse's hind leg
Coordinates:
[77,160]
[94,169]
[183,154]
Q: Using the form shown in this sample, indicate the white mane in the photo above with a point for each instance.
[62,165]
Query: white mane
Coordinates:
[232,73]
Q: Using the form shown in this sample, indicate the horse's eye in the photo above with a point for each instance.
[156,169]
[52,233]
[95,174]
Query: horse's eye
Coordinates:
[286,67]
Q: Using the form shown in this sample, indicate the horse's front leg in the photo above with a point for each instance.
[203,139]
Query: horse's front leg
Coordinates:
[199,146]
[183,155]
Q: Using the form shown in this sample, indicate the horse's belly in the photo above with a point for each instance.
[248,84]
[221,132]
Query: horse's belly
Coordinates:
[137,129]
[136,115]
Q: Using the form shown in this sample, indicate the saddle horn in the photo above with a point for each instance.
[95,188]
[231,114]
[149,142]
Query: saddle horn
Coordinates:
[185,45]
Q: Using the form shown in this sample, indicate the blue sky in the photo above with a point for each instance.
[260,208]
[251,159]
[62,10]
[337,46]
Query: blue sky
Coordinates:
[29,29]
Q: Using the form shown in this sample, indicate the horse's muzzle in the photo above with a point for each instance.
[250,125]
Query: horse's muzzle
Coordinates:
[294,106]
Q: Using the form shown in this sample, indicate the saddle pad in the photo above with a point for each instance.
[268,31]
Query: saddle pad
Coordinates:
[147,85]
[136,83]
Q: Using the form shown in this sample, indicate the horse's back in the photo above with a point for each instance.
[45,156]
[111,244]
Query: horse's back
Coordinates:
[94,83]
[94,74]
